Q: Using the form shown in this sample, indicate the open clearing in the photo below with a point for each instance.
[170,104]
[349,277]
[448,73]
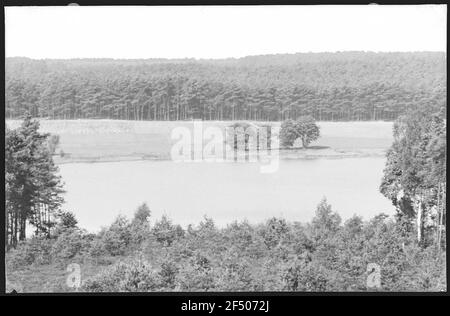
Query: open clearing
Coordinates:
[115,140]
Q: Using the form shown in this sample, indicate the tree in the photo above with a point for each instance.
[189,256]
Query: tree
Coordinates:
[33,188]
[68,220]
[288,133]
[66,224]
[415,174]
[142,214]
[116,238]
[165,232]
[325,223]
[274,232]
[304,128]
[308,130]
[140,225]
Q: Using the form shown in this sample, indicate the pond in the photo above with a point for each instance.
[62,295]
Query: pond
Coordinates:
[185,192]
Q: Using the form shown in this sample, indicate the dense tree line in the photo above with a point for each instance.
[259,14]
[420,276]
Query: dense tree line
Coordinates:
[326,86]
[322,255]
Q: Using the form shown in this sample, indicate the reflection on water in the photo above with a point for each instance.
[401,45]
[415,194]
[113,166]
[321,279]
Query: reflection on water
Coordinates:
[98,192]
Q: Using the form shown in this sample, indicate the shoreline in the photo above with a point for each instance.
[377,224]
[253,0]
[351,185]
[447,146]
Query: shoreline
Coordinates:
[94,141]
[285,154]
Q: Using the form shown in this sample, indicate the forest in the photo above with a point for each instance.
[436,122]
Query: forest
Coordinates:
[343,86]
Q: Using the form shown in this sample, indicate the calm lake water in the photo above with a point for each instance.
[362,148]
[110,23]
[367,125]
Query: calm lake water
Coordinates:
[98,192]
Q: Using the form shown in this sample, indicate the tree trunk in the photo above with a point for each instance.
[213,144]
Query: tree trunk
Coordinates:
[304,143]
[420,215]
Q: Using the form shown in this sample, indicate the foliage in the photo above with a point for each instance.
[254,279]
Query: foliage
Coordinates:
[33,251]
[134,276]
[140,227]
[141,215]
[306,277]
[323,255]
[415,173]
[33,188]
[69,244]
[288,133]
[165,232]
[328,86]
[67,220]
[116,238]
[326,223]
[274,232]
[304,128]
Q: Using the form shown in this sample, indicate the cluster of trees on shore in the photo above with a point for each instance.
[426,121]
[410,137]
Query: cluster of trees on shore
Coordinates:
[304,128]
[326,86]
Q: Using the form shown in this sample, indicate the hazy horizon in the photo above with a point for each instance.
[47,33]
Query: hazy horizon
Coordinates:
[225,58]
[220,32]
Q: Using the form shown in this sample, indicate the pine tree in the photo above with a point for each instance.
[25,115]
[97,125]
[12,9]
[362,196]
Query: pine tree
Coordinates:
[33,188]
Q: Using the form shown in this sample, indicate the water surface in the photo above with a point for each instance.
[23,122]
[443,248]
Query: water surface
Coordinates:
[98,192]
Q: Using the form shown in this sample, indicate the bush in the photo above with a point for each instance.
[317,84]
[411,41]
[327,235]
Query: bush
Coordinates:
[307,277]
[67,220]
[274,232]
[165,232]
[196,274]
[234,273]
[324,255]
[36,250]
[240,236]
[69,244]
[168,273]
[134,276]
[115,239]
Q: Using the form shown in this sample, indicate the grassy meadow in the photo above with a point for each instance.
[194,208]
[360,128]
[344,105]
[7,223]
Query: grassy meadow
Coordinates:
[116,140]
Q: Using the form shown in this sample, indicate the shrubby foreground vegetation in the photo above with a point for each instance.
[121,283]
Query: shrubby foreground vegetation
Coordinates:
[323,255]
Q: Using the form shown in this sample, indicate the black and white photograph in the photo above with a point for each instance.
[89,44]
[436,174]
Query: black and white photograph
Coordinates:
[225,149]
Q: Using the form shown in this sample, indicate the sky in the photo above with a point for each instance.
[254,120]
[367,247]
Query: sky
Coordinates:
[219,31]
